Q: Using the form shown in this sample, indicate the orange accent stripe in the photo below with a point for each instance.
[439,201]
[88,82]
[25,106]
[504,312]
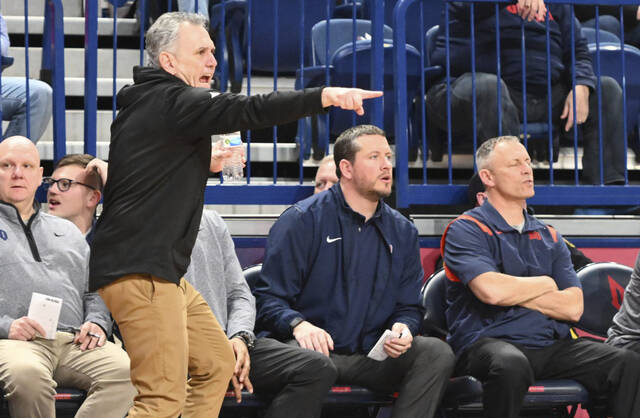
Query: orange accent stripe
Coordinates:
[450,275]
[553,232]
[482,226]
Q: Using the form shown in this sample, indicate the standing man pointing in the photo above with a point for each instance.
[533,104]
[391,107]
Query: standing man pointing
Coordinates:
[159,160]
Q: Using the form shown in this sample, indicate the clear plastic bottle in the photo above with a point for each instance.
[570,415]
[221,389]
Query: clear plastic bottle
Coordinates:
[232,169]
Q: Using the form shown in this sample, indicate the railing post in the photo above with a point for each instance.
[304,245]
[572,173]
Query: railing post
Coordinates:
[377,58]
[400,105]
[90,76]
[55,26]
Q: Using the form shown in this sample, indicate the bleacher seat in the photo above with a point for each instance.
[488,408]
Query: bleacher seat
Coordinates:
[341,73]
[464,393]
[603,287]
[605,36]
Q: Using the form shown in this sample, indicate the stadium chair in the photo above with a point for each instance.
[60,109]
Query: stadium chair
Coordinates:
[340,33]
[338,397]
[605,36]
[68,401]
[603,287]
[341,74]
[464,393]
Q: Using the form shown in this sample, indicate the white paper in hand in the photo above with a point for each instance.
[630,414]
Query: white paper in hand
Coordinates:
[45,310]
[377,352]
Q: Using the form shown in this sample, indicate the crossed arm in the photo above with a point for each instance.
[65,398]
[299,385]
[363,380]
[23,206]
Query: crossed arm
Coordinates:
[539,293]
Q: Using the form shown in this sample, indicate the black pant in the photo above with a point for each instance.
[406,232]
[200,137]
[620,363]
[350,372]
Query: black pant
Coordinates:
[303,377]
[506,372]
[512,114]
[300,379]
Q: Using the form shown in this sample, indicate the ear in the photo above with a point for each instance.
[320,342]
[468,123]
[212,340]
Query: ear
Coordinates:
[486,177]
[346,169]
[167,62]
[94,198]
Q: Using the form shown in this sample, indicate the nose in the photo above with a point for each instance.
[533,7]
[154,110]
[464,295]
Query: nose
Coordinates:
[211,62]
[17,171]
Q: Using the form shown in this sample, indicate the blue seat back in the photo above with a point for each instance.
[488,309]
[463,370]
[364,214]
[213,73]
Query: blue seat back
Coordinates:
[340,33]
[342,63]
[603,287]
[289,35]
[430,44]
[434,300]
[611,65]
[605,36]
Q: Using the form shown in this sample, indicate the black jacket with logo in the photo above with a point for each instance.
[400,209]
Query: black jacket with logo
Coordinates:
[159,160]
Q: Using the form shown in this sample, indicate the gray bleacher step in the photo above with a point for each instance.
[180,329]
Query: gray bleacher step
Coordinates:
[73,25]
[259,152]
[36,7]
[74,62]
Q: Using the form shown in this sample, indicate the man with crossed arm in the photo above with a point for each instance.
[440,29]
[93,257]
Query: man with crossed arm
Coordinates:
[512,290]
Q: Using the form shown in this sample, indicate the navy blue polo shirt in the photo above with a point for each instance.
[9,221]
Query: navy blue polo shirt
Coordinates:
[481,241]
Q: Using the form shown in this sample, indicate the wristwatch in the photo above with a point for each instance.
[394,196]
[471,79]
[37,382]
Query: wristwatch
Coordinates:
[295,322]
[248,338]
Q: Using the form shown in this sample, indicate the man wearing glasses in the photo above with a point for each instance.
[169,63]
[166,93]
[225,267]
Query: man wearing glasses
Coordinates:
[48,255]
[74,191]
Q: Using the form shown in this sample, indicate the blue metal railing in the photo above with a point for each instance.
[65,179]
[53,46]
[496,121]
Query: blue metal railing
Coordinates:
[553,193]
[429,190]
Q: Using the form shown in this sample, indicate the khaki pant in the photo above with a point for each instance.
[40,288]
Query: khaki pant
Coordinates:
[31,370]
[169,331]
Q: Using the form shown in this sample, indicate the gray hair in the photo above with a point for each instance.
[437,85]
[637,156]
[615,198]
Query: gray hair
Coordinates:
[484,151]
[164,32]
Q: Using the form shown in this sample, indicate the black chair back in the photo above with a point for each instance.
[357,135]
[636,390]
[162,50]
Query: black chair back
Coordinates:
[434,300]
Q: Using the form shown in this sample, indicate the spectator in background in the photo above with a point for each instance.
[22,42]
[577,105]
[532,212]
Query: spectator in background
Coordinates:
[48,255]
[74,191]
[326,175]
[510,292]
[511,18]
[14,99]
[340,268]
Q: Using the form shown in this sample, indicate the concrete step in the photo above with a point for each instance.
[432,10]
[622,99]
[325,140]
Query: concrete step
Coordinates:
[73,25]
[36,7]
[74,62]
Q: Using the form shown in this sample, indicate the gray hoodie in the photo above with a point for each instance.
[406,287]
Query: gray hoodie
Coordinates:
[48,255]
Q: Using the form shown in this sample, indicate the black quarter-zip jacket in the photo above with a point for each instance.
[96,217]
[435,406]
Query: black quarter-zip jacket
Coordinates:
[159,160]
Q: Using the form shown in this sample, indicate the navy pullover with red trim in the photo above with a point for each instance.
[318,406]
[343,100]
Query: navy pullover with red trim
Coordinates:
[481,241]
[510,46]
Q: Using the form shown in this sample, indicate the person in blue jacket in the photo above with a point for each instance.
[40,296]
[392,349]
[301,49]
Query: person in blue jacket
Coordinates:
[340,268]
[512,294]
[512,89]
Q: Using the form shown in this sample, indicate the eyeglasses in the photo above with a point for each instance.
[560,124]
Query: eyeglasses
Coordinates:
[63,183]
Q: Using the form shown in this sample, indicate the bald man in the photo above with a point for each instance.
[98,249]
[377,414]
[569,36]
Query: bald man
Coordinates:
[326,175]
[46,254]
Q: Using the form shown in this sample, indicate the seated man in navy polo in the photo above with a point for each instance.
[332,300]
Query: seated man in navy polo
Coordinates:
[340,268]
[511,290]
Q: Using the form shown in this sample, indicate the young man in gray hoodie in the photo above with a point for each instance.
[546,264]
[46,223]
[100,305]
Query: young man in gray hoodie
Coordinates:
[48,255]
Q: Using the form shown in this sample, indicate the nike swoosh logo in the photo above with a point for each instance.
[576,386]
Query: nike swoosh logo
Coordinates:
[58,234]
[330,240]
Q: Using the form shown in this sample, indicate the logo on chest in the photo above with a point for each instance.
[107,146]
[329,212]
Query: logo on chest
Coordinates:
[535,235]
[3,235]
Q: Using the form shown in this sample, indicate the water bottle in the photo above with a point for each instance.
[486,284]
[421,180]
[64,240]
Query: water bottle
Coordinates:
[232,168]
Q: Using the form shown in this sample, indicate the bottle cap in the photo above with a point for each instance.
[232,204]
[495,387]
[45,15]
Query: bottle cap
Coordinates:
[232,141]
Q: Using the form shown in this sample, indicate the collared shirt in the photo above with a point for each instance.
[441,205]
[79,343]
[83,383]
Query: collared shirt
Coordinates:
[481,241]
[352,278]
